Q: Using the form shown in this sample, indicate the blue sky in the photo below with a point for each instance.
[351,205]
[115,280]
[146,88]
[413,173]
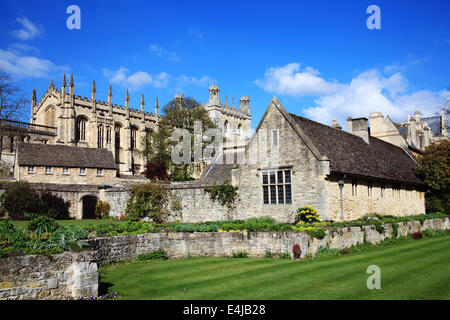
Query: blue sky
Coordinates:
[318,57]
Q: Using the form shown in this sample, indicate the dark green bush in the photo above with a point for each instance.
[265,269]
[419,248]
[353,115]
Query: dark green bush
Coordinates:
[19,198]
[42,225]
[155,255]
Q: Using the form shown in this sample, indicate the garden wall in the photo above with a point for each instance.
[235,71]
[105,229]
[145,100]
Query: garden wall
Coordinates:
[75,274]
[48,277]
[218,244]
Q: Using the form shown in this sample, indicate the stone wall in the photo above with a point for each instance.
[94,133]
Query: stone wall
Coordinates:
[359,201]
[52,277]
[218,244]
[75,274]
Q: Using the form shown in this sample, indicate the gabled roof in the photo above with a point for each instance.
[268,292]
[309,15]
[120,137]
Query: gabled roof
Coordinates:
[31,154]
[350,154]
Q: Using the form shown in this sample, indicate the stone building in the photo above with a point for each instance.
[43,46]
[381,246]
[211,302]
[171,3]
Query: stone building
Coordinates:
[88,122]
[291,162]
[414,134]
[92,123]
[49,163]
[235,123]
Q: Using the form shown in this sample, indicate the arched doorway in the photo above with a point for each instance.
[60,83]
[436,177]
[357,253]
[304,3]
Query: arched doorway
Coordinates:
[88,209]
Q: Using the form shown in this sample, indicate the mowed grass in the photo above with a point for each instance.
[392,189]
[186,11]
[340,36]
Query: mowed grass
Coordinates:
[81,223]
[417,269]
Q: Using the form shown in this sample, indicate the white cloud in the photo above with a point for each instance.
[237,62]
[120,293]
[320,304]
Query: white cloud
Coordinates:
[21,66]
[136,80]
[203,81]
[158,50]
[290,81]
[193,32]
[370,91]
[28,30]
[19,48]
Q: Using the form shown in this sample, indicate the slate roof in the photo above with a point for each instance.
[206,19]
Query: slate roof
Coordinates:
[32,154]
[349,153]
[219,171]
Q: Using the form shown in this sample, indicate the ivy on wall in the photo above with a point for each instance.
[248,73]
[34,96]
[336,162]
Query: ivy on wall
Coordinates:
[224,193]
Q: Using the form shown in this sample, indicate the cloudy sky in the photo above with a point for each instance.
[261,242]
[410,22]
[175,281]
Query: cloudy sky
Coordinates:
[318,57]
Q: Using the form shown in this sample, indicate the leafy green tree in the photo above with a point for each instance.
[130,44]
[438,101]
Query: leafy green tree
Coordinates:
[434,170]
[148,200]
[179,113]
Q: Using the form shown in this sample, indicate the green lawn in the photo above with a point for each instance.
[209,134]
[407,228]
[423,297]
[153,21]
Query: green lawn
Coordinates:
[417,269]
[82,223]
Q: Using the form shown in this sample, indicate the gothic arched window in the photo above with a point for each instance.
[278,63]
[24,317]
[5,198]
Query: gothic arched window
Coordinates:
[108,134]
[134,131]
[100,136]
[81,129]
[49,116]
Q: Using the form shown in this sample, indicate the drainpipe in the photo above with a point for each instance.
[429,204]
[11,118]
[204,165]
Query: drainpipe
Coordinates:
[341,187]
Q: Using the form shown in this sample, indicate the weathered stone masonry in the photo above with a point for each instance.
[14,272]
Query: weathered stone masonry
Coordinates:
[48,277]
[75,274]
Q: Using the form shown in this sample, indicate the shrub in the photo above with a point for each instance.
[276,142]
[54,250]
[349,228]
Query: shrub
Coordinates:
[428,233]
[102,209]
[417,235]
[6,229]
[240,254]
[269,254]
[394,230]
[307,214]
[296,251]
[285,255]
[326,251]
[54,206]
[19,198]
[225,194]
[155,255]
[42,225]
[148,200]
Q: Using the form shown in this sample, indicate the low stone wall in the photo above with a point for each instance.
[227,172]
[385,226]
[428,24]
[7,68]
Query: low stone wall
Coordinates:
[75,274]
[218,244]
[48,277]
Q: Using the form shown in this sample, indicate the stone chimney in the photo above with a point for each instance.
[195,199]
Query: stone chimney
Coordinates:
[336,125]
[244,104]
[214,95]
[359,128]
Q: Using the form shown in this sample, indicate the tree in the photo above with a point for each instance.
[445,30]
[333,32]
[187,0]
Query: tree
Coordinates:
[12,104]
[434,170]
[179,113]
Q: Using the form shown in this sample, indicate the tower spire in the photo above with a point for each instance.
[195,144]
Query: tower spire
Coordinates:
[142,103]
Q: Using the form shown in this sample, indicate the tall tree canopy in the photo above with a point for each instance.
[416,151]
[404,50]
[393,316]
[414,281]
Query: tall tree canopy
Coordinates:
[179,113]
[434,170]
[12,103]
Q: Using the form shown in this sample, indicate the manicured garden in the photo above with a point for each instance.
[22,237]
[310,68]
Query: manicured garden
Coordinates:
[330,275]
